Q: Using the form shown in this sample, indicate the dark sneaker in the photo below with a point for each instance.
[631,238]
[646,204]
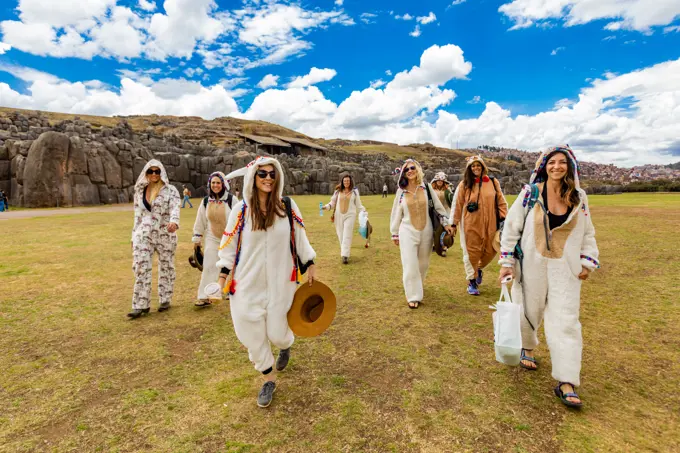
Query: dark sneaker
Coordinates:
[478,280]
[282,360]
[472,288]
[345,260]
[264,399]
[137,312]
[165,306]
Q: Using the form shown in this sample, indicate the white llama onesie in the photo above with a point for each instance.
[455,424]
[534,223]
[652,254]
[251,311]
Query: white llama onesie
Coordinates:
[344,221]
[550,289]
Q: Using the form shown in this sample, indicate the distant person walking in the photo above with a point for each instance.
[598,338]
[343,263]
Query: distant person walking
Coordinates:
[211,220]
[412,229]
[478,209]
[4,205]
[442,191]
[550,220]
[384,195]
[156,205]
[187,194]
[346,197]
[256,254]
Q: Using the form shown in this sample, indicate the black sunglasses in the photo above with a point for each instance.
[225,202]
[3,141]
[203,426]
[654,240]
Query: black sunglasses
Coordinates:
[411,168]
[263,174]
[153,172]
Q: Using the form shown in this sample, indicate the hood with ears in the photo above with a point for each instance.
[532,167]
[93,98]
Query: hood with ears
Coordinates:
[402,175]
[546,155]
[225,183]
[141,179]
[248,173]
[472,159]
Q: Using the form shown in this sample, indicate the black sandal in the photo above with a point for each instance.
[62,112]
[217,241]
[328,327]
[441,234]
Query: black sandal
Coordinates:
[563,396]
[414,306]
[202,303]
[528,359]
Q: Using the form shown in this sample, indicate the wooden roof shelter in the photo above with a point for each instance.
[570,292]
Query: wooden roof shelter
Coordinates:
[302,142]
[262,140]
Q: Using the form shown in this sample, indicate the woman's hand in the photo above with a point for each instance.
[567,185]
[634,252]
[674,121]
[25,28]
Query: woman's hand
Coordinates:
[450,230]
[311,274]
[585,273]
[172,227]
[505,271]
[196,245]
[396,242]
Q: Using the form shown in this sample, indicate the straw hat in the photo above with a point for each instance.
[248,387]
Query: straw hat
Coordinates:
[497,241]
[196,259]
[312,311]
[442,239]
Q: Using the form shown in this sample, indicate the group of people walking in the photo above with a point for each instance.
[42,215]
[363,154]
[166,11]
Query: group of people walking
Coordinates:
[257,249]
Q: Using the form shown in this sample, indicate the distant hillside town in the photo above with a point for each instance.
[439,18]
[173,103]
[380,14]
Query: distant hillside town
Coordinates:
[592,171]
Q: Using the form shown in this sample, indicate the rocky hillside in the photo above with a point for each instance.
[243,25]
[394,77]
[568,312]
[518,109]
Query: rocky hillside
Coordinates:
[50,159]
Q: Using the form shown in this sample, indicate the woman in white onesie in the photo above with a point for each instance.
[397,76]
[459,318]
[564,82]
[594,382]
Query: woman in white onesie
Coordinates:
[345,205]
[411,228]
[557,240]
[256,255]
[211,220]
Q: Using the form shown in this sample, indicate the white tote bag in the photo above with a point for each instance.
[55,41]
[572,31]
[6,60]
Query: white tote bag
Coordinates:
[506,329]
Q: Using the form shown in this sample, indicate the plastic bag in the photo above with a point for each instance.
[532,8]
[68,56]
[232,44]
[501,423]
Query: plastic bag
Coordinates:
[363,224]
[507,330]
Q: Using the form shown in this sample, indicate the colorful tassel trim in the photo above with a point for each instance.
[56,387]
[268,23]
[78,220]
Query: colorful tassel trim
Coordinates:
[237,228]
[505,255]
[592,260]
[527,195]
[298,219]
[583,208]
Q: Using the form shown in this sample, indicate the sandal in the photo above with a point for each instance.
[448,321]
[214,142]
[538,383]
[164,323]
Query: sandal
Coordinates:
[563,396]
[528,359]
[413,305]
[202,303]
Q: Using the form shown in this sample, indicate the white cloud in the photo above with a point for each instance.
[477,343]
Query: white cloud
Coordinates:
[165,97]
[339,2]
[147,5]
[406,16]
[609,38]
[314,76]
[457,2]
[367,18]
[268,81]
[555,51]
[424,20]
[475,100]
[190,72]
[437,66]
[4,48]
[377,83]
[388,72]
[416,32]
[675,28]
[563,103]
[638,15]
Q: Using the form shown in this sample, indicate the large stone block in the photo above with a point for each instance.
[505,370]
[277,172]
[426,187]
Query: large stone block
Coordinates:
[95,168]
[106,195]
[6,186]
[4,153]
[83,192]
[5,167]
[137,168]
[111,169]
[127,176]
[77,160]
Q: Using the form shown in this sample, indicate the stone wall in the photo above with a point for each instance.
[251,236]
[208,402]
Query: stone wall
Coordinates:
[74,163]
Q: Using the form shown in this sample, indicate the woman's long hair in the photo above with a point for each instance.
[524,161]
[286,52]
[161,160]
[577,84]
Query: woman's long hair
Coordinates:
[340,187]
[568,191]
[154,189]
[469,177]
[274,206]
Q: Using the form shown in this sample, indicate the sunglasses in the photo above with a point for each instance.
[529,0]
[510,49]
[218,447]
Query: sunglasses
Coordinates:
[263,174]
[153,172]
[411,168]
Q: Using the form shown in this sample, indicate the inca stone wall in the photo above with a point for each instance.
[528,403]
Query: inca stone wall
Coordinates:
[73,163]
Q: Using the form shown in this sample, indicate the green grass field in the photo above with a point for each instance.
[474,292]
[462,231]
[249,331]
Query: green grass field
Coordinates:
[77,376]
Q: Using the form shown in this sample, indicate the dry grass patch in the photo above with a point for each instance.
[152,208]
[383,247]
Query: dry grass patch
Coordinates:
[78,376]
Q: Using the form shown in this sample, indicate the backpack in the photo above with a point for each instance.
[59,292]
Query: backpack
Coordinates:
[230,199]
[297,264]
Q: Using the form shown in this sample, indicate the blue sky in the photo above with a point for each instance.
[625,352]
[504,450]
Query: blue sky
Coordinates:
[602,76]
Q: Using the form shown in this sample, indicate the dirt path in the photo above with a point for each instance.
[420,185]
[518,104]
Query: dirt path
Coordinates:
[27,214]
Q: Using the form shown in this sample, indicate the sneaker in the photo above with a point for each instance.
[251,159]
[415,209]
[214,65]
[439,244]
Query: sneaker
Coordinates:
[478,280]
[472,288]
[345,260]
[164,307]
[264,398]
[282,360]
